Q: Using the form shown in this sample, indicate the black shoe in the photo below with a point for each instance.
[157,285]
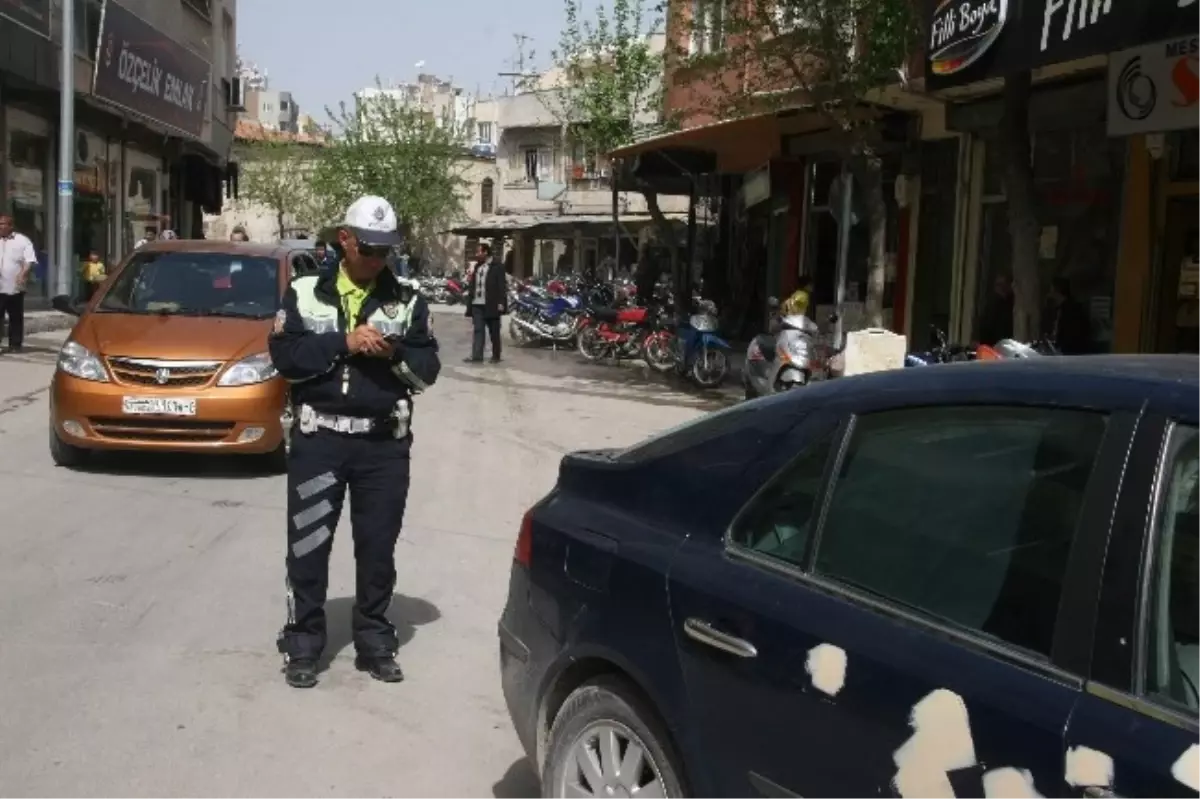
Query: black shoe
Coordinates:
[384,669]
[300,673]
[14,350]
[495,359]
[472,360]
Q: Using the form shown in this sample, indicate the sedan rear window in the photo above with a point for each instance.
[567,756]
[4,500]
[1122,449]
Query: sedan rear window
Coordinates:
[196,284]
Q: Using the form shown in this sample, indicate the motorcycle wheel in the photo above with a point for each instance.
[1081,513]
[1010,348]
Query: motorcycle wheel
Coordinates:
[589,344]
[659,353]
[519,335]
[710,368]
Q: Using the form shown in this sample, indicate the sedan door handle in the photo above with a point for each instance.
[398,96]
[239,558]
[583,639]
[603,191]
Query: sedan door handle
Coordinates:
[708,635]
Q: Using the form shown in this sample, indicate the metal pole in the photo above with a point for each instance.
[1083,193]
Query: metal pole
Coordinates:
[616,213]
[843,254]
[66,155]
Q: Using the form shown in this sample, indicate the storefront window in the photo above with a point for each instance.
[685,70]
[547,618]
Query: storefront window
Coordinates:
[1078,180]
[28,155]
[1185,156]
[87,26]
[142,219]
[92,201]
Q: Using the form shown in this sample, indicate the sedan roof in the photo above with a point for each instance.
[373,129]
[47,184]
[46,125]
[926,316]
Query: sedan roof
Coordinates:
[250,249]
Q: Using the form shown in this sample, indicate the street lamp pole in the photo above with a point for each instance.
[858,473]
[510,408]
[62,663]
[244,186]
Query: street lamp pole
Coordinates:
[66,155]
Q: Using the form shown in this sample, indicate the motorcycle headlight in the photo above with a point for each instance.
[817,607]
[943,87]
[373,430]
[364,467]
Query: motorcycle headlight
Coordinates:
[248,371]
[78,361]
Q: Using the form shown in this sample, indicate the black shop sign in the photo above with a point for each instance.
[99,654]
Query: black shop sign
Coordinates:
[975,40]
[141,69]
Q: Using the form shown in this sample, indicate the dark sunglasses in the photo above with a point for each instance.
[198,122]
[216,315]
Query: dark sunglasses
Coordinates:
[373,250]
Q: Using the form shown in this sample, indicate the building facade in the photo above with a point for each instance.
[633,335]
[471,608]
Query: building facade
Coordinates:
[153,123]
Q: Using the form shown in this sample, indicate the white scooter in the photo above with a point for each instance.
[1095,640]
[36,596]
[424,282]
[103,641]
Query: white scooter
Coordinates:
[789,358]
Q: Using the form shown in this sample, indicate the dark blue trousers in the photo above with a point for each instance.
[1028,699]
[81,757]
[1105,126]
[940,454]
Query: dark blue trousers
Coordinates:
[321,467]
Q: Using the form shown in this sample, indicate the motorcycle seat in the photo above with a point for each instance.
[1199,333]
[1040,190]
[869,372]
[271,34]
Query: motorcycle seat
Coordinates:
[606,314]
[766,343]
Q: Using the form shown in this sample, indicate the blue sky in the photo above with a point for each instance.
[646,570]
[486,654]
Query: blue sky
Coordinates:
[324,50]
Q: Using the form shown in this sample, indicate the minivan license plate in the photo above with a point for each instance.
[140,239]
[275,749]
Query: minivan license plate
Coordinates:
[165,406]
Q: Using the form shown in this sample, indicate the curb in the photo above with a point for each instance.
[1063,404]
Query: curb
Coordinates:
[47,322]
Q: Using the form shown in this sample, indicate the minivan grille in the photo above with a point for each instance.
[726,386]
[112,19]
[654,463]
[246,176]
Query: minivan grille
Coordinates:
[168,374]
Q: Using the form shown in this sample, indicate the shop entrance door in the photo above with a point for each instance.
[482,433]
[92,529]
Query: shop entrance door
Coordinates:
[1178,296]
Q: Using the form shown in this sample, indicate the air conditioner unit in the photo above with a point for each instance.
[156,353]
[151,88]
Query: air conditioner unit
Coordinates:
[235,95]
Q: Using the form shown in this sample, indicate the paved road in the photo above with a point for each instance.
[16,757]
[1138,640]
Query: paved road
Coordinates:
[139,600]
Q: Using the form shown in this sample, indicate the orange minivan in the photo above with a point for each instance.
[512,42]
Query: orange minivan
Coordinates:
[170,354]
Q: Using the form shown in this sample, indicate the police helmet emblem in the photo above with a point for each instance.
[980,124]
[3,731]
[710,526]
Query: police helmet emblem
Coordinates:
[162,376]
[380,213]
[390,310]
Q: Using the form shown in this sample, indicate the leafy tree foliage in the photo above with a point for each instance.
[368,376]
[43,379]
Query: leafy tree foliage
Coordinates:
[275,172]
[394,149]
[753,56]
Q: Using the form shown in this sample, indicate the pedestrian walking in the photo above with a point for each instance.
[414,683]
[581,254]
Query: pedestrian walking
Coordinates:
[17,259]
[487,301]
[356,347]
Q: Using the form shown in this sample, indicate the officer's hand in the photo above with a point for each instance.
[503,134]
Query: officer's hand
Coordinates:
[366,340]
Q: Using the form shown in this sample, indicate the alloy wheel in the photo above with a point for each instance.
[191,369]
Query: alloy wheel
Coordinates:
[609,760]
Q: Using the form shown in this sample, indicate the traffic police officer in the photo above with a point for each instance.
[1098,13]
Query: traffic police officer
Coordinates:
[355,345]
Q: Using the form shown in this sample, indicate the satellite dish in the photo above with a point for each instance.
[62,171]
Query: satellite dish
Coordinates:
[835,201]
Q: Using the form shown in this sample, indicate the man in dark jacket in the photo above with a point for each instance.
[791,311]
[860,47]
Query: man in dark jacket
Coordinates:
[356,347]
[487,301]
[1070,328]
[996,322]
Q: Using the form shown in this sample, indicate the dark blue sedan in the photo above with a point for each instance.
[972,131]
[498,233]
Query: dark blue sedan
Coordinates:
[971,580]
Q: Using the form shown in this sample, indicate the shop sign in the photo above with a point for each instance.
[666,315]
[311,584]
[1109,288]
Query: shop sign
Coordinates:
[963,30]
[143,70]
[757,187]
[1154,88]
[1039,33]
[31,14]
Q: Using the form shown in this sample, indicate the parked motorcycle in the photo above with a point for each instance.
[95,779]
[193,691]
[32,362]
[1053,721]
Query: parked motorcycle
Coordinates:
[627,333]
[456,291]
[941,352]
[789,358]
[533,320]
[701,355]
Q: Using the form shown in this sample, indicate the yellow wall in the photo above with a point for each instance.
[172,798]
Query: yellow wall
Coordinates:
[1134,270]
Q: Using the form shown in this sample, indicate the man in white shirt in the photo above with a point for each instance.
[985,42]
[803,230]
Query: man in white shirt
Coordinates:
[17,259]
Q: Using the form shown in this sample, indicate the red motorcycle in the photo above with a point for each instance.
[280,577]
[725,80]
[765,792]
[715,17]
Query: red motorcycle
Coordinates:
[627,333]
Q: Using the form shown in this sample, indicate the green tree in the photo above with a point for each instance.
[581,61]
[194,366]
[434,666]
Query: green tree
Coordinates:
[393,149]
[835,55]
[276,174]
[608,88]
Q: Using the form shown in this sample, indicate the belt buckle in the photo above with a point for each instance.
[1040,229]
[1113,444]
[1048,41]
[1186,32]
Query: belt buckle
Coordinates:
[342,424]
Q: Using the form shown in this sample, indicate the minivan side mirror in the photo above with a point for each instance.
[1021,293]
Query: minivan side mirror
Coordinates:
[62,303]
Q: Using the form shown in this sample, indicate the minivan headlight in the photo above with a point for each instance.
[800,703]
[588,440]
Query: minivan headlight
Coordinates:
[78,361]
[248,371]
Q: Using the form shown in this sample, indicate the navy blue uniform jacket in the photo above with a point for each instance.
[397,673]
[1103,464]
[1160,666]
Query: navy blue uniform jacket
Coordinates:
[317,363]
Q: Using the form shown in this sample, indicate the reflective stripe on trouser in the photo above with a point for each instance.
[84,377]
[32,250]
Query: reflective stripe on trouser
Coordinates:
[321,467]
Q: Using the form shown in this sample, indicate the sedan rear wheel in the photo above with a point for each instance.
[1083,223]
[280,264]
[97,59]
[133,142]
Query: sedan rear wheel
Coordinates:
[605,743]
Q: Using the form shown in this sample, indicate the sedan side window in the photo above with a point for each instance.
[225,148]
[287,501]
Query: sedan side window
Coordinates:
[779,521]
[966,514]
[1174,622]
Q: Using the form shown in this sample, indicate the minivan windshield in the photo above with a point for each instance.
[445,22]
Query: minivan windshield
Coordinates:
[195,284]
